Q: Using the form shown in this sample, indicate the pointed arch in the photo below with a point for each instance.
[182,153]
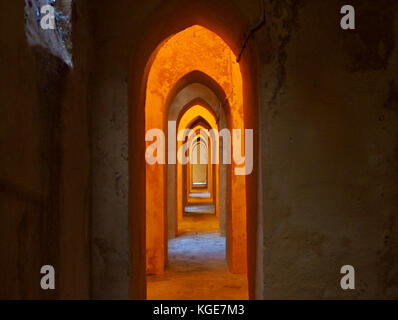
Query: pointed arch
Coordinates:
[231,26]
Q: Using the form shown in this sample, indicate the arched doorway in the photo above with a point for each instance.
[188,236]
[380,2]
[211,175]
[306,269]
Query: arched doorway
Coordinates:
[183,100]
[247,183]
[181,54]
[201,121]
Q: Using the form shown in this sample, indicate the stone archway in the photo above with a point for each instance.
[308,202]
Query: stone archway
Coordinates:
[186,97]
[137,99]
[185,52]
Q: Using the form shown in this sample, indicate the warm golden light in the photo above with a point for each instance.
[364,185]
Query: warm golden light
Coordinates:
[193,49]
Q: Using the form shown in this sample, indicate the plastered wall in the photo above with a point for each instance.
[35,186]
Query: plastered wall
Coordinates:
[44,162]
[329,149]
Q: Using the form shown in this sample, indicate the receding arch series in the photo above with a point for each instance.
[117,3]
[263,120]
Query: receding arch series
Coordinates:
[185,99]
[141,92]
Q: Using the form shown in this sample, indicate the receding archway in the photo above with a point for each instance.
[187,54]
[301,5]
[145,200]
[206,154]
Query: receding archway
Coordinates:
[195,48]
[195,112]
[137,98]
[182,100]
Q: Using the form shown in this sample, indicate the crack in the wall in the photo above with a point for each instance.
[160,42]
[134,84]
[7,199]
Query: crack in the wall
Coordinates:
[283,19]
[253,31]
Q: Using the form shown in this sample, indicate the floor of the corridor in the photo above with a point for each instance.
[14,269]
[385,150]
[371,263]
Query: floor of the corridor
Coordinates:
[197,268]
[200,209]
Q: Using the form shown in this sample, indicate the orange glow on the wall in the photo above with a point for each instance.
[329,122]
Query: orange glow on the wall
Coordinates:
[193,49]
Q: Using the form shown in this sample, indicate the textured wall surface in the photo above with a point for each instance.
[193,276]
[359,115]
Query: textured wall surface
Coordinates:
[44,163]
[57,41]
[329,152]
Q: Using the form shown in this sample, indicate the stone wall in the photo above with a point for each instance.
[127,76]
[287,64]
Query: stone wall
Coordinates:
[44,163]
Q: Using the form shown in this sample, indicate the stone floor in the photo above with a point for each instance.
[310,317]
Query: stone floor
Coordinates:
[198,223]
[200,209]
[197,269]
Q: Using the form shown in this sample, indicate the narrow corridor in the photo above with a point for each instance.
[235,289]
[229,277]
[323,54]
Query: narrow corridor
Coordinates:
[197,268]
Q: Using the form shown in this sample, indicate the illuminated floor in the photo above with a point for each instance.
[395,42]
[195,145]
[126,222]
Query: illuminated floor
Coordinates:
[200,209]
[198,223]
[197,269]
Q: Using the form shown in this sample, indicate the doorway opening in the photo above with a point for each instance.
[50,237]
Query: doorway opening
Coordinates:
[195,212]
[160,96]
